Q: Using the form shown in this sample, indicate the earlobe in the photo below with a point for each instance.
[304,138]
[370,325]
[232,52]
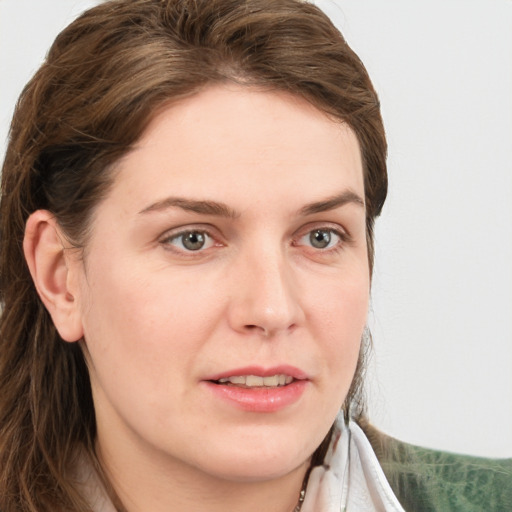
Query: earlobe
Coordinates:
[47,261]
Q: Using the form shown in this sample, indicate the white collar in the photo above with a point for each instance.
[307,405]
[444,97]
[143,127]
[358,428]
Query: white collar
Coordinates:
[351,479]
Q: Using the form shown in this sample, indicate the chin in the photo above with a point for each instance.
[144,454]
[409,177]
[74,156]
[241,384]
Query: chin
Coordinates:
[258,470]
[259,459]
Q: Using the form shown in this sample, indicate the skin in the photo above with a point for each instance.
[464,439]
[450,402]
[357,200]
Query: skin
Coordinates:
[159,319]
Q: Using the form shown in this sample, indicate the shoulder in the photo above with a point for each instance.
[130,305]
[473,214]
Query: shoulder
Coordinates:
[426,480]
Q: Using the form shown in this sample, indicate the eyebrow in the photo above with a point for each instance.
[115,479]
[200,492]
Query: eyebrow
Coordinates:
[201,207]
[331,203]
[223,210]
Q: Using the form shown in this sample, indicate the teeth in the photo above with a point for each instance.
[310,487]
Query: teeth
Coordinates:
[271,381]
[255,381]
[237,380]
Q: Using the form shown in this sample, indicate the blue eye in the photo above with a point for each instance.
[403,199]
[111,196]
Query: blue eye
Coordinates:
[322,238]
[191,240]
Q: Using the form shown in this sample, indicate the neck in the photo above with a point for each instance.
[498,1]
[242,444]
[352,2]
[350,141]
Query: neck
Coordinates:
[176,486]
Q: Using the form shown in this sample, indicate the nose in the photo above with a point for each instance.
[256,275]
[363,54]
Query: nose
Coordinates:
[266,296]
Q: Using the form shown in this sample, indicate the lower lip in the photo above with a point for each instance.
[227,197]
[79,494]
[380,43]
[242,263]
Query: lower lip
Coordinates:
[260,399]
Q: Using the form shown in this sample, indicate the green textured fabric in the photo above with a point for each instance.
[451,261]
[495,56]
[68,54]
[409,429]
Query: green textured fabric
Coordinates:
[427,480]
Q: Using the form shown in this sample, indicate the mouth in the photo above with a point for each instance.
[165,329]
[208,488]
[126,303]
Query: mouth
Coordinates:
[260,390]
[256,381]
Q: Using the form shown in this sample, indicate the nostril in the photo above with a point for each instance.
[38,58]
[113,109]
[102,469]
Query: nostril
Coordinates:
[257,329]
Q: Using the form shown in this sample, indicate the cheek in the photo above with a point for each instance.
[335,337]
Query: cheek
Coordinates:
[339,322]
[140,343]
[340,304]
[147,321]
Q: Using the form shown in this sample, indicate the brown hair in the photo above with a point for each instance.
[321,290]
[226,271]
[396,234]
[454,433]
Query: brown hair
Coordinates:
[104,78]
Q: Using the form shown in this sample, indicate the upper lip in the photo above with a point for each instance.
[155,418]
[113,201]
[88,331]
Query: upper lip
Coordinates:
[261,371]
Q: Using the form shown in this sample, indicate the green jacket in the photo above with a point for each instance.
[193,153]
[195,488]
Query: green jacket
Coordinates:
[427,480]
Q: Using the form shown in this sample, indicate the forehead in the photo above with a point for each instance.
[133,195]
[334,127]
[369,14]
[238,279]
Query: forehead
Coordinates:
[241,144]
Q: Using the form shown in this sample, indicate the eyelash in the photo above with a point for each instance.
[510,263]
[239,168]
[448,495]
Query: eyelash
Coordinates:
[167,241]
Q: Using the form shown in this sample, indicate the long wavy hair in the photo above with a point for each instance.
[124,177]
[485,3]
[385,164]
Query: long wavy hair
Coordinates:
[104,78]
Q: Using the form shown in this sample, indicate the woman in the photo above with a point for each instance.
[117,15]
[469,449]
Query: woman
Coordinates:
[188,201]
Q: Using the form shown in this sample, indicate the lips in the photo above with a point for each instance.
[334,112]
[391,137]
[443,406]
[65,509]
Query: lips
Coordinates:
[256,381]
[259,371]
[258,389]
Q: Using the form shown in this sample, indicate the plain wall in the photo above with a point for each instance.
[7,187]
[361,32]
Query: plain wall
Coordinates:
[442,296]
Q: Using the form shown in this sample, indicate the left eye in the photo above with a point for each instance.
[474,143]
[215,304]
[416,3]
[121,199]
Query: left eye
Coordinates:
[191,240]
[321,238]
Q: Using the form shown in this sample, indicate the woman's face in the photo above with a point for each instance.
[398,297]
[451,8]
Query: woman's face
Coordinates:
[225,286]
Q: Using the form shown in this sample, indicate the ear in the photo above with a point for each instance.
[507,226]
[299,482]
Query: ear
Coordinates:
[49,265]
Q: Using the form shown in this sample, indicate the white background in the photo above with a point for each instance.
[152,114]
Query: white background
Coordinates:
[442,297]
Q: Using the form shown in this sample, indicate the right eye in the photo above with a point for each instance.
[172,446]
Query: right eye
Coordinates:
[190,241]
